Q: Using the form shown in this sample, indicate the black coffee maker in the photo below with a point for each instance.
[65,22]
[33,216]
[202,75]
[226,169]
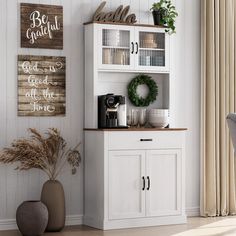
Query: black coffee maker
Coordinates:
[108,110]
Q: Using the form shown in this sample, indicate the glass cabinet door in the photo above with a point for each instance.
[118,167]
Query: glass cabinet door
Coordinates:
[152,50]
[116,48]
[133,48]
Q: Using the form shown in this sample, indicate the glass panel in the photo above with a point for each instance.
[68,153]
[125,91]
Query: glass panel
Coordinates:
[151,58]
[115,56]
[115,47]
[151,49]
[152,40]
[115,38]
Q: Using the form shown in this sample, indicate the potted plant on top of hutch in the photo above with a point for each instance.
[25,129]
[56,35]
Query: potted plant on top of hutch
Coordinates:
[164,14]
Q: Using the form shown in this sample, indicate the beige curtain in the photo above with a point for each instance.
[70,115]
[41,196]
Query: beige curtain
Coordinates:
[218,87]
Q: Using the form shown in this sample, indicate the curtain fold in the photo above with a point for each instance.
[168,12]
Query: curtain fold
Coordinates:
[218,88]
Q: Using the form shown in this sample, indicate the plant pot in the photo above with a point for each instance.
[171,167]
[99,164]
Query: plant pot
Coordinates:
[53,197]
[32,218]
[158,17]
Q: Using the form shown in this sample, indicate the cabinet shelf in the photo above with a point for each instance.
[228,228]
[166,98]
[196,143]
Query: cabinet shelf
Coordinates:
[116,47]
[127,70]
[152,49]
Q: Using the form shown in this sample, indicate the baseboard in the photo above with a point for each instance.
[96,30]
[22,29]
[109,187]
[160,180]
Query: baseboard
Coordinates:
[10,224]
[74,220]
[134,222]
[192,211]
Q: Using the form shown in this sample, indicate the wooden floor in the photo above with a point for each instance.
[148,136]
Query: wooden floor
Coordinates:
[196,226]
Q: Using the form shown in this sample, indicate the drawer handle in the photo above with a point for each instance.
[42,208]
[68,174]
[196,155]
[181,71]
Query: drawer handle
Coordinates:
[146,140]
[143,183]
[149,183]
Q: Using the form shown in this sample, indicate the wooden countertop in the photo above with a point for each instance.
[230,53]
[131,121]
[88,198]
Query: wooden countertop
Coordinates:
[138,129]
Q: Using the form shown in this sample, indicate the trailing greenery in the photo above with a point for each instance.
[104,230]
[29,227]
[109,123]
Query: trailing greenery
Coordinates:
[137,100]
[168,13]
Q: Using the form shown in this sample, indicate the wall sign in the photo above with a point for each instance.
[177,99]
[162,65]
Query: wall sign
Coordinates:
[119,15]
[41,26]
[41,85]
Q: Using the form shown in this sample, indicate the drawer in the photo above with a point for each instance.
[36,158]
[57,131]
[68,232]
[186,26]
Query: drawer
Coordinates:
[145,139]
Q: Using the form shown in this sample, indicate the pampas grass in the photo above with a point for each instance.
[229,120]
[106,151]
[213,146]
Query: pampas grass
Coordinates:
[47,152]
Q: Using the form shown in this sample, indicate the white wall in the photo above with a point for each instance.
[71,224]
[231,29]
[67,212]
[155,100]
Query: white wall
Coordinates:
[187,75]
[16,187]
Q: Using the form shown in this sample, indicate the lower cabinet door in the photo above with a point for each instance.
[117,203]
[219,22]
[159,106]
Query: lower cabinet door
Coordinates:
[163,192]
[126,184]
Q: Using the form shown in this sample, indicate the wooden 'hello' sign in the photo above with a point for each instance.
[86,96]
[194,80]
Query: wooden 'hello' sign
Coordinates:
[41,85]
[120,15]
[41,26]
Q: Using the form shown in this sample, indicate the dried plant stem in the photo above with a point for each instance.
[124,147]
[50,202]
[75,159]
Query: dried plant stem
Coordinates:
[59,169]
[47,153]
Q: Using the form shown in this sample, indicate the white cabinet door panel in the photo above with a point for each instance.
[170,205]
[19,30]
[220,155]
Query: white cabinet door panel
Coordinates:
[163,167]
[126,197]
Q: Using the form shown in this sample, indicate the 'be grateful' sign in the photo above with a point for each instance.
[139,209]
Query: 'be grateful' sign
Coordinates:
[41,85]
[41,26]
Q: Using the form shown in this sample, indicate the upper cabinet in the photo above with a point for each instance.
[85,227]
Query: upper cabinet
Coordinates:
[131,48]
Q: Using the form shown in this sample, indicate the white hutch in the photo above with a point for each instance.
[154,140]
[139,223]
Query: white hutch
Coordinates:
[133,177]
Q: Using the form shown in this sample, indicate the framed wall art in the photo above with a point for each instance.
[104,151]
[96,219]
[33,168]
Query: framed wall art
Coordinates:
[41,85]
[41,26]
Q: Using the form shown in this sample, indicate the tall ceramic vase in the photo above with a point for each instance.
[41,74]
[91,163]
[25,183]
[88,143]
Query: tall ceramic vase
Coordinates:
[53,197]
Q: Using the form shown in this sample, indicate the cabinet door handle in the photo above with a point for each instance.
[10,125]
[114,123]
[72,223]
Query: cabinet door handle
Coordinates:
[149,183]
[136,48]
[132,47]
[143,183]
[146,140]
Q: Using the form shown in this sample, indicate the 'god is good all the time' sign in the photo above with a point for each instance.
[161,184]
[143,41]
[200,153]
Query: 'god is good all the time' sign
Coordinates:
[41,26]
[41,85]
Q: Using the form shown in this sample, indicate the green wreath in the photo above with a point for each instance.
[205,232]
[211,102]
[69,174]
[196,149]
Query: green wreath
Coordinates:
[137,100]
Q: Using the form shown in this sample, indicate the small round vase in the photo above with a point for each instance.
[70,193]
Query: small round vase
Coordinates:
[32,218]
[54,198]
